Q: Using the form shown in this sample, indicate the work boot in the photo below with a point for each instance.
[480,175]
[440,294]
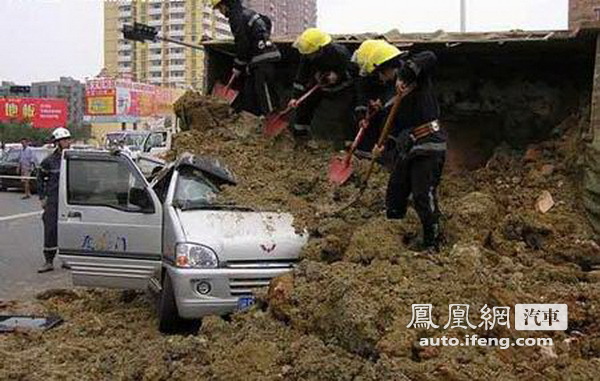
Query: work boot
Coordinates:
[432,239]
[46,267]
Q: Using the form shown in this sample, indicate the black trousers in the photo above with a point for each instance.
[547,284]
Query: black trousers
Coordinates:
[261,94]
[419,176]
[50,220]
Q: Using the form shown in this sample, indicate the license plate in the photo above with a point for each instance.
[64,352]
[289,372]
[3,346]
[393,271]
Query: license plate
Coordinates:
[245,302]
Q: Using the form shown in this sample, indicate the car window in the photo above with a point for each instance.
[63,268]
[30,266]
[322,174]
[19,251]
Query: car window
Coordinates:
[109,183]
[193,188]
[13,156]
[149,167]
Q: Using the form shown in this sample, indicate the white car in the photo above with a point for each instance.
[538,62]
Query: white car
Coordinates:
[200,257]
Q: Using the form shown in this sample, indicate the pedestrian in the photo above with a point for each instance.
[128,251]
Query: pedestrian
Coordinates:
[420,142]
[25,163]
[48,184]
[325,63]
[255,58]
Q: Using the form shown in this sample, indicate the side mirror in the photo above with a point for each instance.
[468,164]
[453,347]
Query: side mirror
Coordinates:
[141,198]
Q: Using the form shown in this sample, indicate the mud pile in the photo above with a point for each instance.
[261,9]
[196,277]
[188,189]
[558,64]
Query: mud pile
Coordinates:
[343,314]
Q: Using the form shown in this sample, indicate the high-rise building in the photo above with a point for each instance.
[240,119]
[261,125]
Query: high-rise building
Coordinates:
[161,63]
[582,11]
[290,17]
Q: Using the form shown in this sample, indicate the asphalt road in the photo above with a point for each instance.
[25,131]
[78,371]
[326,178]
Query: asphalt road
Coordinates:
[21,242]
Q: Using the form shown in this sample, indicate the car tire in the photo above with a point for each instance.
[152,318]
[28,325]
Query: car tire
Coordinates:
[169,321]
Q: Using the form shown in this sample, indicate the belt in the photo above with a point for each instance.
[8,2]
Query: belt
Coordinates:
[425,130]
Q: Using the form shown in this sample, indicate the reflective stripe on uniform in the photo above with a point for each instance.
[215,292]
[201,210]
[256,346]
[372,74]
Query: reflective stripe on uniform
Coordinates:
[266,56]
[339,87]
[361,108]
[239,62]
[253,20]
[431,200]
[301,127]
[438,147]
[298,86]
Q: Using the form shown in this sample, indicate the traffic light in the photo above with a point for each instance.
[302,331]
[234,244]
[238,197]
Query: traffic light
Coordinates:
[139,32]
[20,89]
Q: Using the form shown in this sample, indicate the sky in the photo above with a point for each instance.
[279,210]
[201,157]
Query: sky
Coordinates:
[45,39]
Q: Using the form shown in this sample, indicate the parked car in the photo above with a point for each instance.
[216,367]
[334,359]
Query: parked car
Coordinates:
[153,143]
[197,255]
[10,171]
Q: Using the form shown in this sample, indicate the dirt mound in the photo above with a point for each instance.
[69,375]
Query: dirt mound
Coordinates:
[343,314]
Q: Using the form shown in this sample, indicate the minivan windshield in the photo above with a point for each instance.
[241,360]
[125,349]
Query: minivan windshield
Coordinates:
[194,190]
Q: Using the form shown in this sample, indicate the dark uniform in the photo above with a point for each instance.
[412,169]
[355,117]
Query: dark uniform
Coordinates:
[48,182]
[370,89]
[334,58]
[420,148]
[255,55]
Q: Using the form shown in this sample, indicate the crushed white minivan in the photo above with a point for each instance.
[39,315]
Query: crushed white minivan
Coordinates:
[171,236]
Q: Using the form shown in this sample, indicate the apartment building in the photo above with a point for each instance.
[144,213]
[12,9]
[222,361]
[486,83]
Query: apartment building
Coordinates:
[161,63]
[582,11]
[290,17]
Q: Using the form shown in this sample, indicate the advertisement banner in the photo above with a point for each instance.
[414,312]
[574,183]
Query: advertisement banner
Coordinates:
[40,112]
[122,100]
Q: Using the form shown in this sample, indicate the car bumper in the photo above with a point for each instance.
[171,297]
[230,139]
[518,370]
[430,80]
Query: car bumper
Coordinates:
[227,286]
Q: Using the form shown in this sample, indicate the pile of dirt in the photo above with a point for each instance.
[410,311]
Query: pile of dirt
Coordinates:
[343,314]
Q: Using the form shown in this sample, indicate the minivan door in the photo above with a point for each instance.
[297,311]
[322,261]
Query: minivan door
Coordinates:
[110,221]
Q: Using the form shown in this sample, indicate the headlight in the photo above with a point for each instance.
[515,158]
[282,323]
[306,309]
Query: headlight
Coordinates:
[195,256]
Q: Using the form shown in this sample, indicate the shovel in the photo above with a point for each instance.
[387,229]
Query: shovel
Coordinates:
[340,167]
[280,121]
[389,123]
[226,92]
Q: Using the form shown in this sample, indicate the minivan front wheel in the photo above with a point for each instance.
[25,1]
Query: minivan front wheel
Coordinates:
[169,321]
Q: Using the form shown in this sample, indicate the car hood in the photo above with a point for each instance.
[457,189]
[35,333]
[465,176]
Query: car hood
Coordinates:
[244,236]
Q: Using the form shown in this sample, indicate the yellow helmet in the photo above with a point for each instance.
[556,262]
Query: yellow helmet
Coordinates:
[311,40]
[215,2]
[380,54]
[362,55]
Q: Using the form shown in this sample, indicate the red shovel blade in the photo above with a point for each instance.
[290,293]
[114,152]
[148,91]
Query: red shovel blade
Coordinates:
[226,93]
[276,123]
[340,170]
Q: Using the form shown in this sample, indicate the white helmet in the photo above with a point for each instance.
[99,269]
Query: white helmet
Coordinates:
[60,134]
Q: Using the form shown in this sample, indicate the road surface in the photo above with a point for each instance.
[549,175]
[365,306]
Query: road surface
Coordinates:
[21,242]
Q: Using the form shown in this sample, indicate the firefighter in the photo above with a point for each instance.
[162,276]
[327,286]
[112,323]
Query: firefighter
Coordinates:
[48,184]
[323,62]
[369,91]
[420,143]
[256,56]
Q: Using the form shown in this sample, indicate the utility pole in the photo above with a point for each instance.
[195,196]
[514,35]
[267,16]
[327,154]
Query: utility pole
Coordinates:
[463,16]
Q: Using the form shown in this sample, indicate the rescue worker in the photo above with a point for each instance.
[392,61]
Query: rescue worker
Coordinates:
[48,184]
[255,57]
[323,62]
[420,143]
[369,89]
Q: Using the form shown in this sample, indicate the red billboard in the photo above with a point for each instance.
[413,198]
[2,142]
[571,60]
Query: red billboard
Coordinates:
[40,112]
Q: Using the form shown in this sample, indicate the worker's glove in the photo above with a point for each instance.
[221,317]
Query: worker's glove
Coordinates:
[375,106]
[43,202]
[378,151]
[236,72]
[293,103]
[402,87]
[332,78]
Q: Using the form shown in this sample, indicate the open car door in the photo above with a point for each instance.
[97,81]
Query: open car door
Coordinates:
[110,221]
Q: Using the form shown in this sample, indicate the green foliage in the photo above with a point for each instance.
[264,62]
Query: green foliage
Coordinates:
[14,132]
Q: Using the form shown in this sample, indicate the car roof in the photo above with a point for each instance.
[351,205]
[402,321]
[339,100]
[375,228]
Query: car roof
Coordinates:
[207,164]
